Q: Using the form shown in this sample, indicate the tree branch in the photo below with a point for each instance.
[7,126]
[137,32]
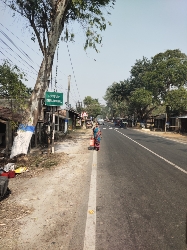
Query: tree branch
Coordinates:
[45,23]
[31,20]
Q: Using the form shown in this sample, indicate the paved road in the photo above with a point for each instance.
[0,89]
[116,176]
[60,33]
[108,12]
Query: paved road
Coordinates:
[141,192]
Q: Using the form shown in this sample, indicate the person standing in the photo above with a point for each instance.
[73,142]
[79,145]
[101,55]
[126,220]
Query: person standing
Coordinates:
[97,137]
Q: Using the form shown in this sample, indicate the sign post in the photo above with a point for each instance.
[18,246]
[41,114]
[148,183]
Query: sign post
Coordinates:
[53,99]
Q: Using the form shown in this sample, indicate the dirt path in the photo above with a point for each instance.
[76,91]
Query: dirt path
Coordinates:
[41,211]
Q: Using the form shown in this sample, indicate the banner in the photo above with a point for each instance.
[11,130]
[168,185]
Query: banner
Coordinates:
[22,140]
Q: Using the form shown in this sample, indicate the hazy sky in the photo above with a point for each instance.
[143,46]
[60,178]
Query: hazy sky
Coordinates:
[139,28]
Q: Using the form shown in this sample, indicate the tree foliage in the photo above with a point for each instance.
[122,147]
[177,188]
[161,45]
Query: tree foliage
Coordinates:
[117,97]
[150,82]
[49,17]
[13,90]
[177,100]
[11,85]
[168,69]
[140,102]
[92,106]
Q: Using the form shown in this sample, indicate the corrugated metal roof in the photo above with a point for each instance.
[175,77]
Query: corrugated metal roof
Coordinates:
[7,115]
[160,117]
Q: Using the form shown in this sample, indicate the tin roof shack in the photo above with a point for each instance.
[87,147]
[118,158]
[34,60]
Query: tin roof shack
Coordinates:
[159,122]
[174,123]
[44,127]
[6,128]
[183,123]
[73,115]
[60,117]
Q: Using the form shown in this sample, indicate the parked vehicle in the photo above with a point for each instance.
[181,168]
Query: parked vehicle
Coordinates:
[89,123]
[100,121]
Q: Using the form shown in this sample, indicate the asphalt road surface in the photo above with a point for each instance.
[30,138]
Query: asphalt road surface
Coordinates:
[141,192]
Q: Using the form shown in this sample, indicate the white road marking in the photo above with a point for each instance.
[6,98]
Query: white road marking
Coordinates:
[90,230]
[110,128]
[104,128]
[171,163]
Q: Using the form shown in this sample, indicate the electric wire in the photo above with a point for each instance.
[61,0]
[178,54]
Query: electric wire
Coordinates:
[17,60]
[20,50]
[73,70]
[30,59]
[73,98]
[16,53]
[5,56]
[56,66]
[19,39]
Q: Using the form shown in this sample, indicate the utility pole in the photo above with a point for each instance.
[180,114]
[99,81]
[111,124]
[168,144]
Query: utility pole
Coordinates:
[166,122]
[67,105]
[53,130]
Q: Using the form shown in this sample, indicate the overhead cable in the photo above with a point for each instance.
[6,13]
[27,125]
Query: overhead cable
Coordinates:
[73,70]
[17,54]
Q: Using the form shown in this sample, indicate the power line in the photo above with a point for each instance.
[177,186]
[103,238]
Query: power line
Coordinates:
[19,38]
[16,60]
[65,92]
[72,97]
[56,66]
[73,70]
[16,53]
[20,50]
[12,62]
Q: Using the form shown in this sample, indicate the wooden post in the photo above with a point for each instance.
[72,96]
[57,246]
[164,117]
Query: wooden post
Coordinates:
[7,138]
[48,139]
[53,134]
[165,122]
[35,137]
[40,132]
[58,121]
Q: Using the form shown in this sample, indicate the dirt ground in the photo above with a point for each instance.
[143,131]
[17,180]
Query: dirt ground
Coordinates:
[44,200]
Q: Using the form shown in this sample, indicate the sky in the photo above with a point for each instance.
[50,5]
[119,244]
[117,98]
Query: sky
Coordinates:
[140,28]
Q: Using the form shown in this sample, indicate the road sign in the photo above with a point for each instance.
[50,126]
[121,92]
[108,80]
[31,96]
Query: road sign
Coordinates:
[68,106]
[53,99]
[84,114]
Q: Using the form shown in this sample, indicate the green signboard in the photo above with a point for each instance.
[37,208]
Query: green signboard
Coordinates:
[53,99]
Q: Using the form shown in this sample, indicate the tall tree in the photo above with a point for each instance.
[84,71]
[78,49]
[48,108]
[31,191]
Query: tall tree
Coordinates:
[92,106]
[176,100]
[149,83]
[168,69]
[12,88]
[140,103]
[117,97]
[48,19]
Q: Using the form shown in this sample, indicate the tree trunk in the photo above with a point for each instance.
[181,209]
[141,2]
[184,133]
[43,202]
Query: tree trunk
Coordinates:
[25,130]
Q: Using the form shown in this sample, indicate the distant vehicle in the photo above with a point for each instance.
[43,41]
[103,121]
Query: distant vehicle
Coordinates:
[89,123]
[121,122]
[101,122]
[117,121]
[142,125]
